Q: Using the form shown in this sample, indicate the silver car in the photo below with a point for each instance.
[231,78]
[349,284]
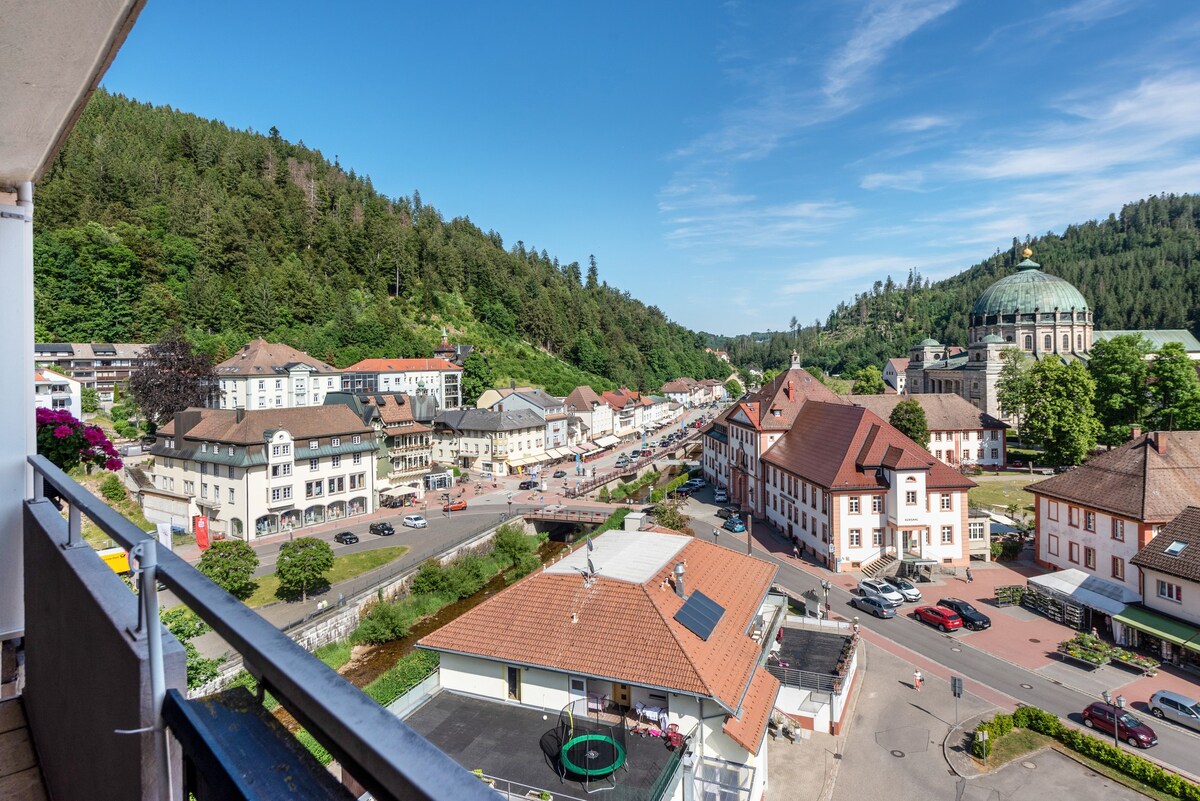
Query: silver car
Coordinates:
[878,588]
[1177,708]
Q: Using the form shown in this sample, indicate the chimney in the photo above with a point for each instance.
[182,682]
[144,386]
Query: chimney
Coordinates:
[679,571]
[239,415]
[633,521]
[185,421]
[791,388]
[1134,432]
[512,383]
[1159,440]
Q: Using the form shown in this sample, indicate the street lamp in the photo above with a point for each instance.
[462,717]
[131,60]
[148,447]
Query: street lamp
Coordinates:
[826,585]
[1118,707]
[510,497]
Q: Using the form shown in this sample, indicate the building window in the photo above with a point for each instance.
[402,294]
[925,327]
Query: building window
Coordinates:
[189,488]
[1089,558]
[1089,521]
[877,537]
[335,441]
[314,464]
[946,502]
[281,493]
[204,468]
[1052,510]
[1073,552]
[947,535]
[1172,592]
[356,439]
[1066,342]
[855,537]
[314,489]
[1052,545]
[203,490]
[281,450]
[967,456]
[358,457]
[337,484]
[231,495]
[1028,342]
[229,471]
[1047,343]
[337,461]
[937,454]
[995,453]
[204,447]
[877,504]
[910,498]
[975,531]
[937,436]
[1073,516]
[1118,529]
[1079,341]
[280,470]
[358,481]
[854,506]
[1118,568]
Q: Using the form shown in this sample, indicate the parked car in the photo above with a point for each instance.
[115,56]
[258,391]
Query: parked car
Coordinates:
[528,484]
[1165,704]
[698,481]
[1100,715]
[683,492]
[871,604]
[735,525]
[878,588]
[726,512]
[382,529]
[414,521]
[906,588]
[560,474]
[454,506]
[664,443]
[972,617]
[345,537]
[720,496]
[939,616]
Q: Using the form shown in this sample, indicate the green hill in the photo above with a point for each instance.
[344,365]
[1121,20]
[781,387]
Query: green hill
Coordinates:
[151,217]
[1137,269]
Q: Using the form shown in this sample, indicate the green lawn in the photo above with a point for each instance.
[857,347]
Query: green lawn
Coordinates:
[1017,742]
[1002,491]
[344,567]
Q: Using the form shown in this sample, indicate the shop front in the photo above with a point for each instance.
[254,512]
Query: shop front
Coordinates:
[1171,640]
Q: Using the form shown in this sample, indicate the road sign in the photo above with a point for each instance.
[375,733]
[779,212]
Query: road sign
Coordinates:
[956,686]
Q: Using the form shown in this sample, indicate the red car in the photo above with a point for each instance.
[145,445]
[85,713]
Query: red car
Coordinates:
[455,506]
[938,616]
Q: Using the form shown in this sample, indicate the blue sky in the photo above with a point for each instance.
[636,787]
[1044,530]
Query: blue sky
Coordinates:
[734,164]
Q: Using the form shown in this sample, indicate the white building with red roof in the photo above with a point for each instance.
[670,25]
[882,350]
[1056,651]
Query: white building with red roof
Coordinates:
[614,627]
[436,377]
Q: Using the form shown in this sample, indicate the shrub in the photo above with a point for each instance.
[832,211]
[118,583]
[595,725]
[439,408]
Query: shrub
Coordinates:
[112,489]
[511,545]
[384,623]
[402,676]
[431,578]
[997,549]
[603,495]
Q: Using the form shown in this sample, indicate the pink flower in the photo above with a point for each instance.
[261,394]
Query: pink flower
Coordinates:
[62,432]
[112,464]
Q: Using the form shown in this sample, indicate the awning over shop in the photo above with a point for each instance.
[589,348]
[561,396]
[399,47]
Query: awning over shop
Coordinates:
[520,462]
[579,448]
[559,453]
[607,441]
[626,432]
[1092,592]
[1161,626]
[396,492]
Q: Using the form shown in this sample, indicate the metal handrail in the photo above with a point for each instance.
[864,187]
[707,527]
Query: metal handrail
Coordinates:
[382,753]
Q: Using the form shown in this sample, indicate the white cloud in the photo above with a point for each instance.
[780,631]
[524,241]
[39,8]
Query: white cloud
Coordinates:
[921,123]
[909,180]
[745,225]
[1072,18]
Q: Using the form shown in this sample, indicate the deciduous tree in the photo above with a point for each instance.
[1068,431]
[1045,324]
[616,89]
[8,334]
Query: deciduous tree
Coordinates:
[231,565]
[302,565]
[909,417]
[869,381]
[172,378]
[1119,368]
[1059,413]
[1012,389]
[1175,389]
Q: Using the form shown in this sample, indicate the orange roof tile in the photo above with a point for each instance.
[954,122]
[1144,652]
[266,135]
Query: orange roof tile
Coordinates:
[400,365]
[747,728]
[622,630]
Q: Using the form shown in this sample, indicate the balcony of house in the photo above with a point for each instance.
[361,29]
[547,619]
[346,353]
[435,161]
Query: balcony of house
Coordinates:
[519,750]
[409,447]
[815,662]
[408,470]
[105,698]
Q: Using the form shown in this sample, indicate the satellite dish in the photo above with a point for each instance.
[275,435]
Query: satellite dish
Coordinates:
[591,567]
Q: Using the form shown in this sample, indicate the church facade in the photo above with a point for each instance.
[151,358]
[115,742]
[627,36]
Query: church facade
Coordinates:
[1032,311]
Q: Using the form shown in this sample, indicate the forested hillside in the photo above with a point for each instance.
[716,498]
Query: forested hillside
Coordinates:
[1137,269]
[151,217]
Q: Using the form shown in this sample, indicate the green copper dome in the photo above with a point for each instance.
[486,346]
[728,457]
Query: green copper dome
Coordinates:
[929,343]
[1026,290]
[992,339]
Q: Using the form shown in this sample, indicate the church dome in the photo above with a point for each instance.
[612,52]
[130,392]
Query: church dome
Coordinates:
[1027,290]
[929,343]
[992,339]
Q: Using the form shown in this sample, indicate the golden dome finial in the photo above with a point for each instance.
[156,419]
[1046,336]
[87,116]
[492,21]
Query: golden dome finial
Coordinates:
[1027,252]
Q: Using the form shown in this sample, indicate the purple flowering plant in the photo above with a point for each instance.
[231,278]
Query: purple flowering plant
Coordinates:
[67,442]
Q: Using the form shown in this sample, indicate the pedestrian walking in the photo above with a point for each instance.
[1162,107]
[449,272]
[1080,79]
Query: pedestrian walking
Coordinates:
[918,679]
[970,578]
[715,532]
[795,552]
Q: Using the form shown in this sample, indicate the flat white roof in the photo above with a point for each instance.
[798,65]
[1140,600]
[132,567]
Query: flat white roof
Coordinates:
[633,556]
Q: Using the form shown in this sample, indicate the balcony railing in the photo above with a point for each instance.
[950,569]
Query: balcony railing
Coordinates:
[91,670]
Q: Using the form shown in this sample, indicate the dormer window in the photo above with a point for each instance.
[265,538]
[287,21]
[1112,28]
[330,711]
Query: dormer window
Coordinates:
[776,412]
[312,444]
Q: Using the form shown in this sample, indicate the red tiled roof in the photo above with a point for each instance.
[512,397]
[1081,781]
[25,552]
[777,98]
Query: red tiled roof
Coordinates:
[1135,480]
[304,422]
[625,631]
[747,728]
[1185,564]
[396,413]
[840,446]
[899,364]
[787,392]
[400,365]
[582,398]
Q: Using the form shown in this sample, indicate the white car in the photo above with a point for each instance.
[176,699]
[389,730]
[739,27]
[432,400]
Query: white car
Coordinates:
[877,588]
[414,521]
[720,496]
[906,588]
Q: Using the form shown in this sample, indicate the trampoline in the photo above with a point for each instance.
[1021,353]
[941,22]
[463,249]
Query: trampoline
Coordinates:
[592,747]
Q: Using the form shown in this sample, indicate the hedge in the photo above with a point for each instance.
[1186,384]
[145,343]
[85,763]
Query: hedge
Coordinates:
[660,494]
[1104,752]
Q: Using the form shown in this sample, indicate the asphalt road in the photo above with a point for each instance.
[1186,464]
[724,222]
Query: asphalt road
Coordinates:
[1177,747]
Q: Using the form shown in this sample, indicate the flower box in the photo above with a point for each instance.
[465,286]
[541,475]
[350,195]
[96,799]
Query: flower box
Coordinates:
[1143,664]
[1083,656]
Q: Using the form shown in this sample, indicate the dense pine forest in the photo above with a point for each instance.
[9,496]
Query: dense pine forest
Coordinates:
[1138,269]
[152,218]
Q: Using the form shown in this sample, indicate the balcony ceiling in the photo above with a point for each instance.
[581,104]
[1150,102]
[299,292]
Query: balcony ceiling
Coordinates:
[52,56]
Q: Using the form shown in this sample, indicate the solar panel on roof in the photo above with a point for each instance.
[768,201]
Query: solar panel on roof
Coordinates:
[700,614]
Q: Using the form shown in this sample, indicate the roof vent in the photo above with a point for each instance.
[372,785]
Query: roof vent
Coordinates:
[679,571]
[1175,548]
